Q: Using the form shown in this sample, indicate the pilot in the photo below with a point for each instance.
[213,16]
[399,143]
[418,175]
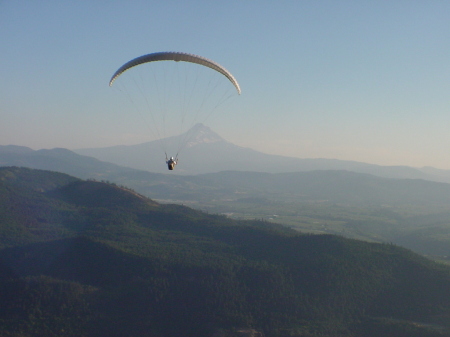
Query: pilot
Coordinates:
[171,163]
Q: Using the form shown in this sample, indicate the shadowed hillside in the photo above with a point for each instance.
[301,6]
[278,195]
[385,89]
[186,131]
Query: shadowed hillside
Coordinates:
[94,259]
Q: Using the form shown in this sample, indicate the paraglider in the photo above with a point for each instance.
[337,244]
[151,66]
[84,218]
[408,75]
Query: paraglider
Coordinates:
[176,56]
[186,107]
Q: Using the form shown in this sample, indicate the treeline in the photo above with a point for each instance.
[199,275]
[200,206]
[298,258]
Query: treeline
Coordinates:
[101,261]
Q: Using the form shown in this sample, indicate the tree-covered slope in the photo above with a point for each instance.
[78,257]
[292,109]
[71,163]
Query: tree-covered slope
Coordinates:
[95,259]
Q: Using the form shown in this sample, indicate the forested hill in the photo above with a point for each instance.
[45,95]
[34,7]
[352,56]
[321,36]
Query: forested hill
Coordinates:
[86,258]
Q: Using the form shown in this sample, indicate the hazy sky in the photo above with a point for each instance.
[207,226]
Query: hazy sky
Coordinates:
[356,80]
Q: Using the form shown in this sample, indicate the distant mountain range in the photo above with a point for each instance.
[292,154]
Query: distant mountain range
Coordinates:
[60,160]
[207,152]
[336,181]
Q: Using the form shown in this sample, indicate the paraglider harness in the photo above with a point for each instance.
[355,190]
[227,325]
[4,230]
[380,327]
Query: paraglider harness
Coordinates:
[171,162]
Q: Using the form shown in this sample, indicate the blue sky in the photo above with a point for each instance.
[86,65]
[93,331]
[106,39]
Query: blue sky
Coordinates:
[355,80]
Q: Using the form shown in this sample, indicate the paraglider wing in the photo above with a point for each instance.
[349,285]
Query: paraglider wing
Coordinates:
[176,56]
